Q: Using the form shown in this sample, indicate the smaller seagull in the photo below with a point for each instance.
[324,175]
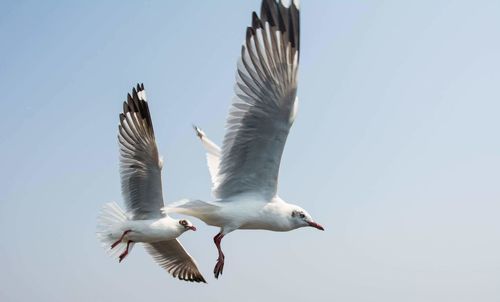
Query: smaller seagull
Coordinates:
[245,170]
[145,221]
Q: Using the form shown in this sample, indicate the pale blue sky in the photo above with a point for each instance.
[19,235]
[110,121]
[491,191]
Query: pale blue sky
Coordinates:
[395,149]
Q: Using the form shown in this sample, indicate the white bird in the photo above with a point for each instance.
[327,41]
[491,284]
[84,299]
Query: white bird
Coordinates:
[145,221]
[245,171]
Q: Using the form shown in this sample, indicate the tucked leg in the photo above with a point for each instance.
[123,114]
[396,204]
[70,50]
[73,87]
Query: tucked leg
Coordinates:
[125,253]
[120,240]
[219,266]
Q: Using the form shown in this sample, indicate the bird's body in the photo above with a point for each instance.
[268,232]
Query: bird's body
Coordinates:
[244,211]
[147,231]
[245,170]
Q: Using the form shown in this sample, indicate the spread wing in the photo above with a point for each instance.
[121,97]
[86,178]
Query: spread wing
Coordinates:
[140,165]
[213,154]
[171,256]
[265,104]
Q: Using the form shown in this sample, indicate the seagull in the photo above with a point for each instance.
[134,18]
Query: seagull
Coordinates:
[145,221]
[244,171]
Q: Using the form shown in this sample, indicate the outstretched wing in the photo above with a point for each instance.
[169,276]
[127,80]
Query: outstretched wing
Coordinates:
[265,104]
[213,154]
[140,165]
[171,256]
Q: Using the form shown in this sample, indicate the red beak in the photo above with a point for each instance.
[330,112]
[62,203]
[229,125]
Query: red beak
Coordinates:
[192,228]
[316,225]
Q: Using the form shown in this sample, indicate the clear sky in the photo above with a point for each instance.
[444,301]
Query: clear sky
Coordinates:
[395,149]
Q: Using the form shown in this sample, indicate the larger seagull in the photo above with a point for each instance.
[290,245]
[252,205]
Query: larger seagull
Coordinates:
[245,171]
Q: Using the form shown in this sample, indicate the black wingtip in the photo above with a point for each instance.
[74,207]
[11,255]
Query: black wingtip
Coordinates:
[134,94]
[198,131]
[268,12]
[194,278]
[256,21]
[126,107]
[250,33]
[199,279]
[136,105]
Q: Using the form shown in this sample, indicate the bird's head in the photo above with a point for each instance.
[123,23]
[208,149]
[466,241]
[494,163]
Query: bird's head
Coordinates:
[300,218]
[186,225]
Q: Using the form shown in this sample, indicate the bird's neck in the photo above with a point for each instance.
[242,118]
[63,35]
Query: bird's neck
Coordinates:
[170,225]
[277,213]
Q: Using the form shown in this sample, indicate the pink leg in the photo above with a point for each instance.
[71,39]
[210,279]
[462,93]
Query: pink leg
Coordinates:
[125,253]
[219,266]
[120,240]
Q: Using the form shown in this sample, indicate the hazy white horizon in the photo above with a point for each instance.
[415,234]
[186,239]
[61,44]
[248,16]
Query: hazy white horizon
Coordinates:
[395,149]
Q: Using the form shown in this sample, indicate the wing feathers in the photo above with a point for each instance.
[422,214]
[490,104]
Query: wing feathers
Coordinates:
[262,112]
[171,256]
[140,166]
[213,154]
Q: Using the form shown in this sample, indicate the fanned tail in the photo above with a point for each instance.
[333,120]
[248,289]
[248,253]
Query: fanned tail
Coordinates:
[110,228]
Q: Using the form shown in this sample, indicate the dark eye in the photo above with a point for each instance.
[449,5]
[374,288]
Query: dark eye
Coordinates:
[302,215]
[183,222]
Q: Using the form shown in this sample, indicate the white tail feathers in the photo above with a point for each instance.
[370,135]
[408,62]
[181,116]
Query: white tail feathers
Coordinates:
[110,228]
